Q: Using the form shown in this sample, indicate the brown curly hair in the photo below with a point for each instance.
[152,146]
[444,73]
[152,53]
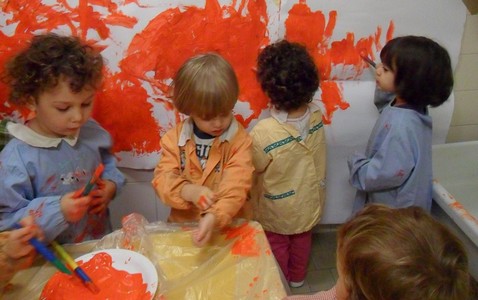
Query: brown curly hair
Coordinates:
[49,58]
[287,74]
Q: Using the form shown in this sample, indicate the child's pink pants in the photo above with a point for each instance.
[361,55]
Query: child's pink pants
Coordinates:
[292,253]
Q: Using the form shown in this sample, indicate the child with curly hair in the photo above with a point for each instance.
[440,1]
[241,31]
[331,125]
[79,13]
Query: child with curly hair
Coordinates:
[55,153]
[205,170]
[289,155]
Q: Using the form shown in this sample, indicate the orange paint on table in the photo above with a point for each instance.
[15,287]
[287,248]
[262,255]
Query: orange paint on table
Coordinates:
[246,244]
[113,283]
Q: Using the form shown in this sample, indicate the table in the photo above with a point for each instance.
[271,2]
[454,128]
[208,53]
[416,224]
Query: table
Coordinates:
[236,264]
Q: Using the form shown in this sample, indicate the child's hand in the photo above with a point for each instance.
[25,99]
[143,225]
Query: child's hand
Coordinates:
[102,196]
[17,245]
[203,233]
[74,209]
[199,195]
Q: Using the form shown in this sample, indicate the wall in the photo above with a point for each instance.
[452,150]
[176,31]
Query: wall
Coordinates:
[138,195]
[464,124]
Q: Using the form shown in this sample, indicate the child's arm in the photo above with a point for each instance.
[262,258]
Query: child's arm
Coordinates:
[112,179]
[260,159]
[101,196]
[202,234]
[111,171]
[15,251]
[167,181]
[201,196]
[236,180]
[46,210]
[390,165]
[18,200]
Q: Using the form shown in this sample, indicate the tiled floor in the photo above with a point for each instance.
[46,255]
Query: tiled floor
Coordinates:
[322,272]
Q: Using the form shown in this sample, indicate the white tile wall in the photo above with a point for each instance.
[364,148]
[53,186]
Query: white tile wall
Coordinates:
[464,124]
[138,196]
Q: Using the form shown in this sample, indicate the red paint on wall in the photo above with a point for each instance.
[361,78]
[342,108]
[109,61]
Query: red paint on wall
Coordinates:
[123,110]
[332,99]
[122,106]
[237,32]
[329,54]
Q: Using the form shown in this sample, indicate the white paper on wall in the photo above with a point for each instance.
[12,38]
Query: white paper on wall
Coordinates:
[145,41]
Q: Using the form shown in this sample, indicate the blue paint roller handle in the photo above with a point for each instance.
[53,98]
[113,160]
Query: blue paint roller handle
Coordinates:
[45,252]
[79,271]
[39,246]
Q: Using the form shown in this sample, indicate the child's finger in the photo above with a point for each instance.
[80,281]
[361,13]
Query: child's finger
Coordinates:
[203,202]
[196,237]
[97,209]
[96,193]
[83,201]
[25,237]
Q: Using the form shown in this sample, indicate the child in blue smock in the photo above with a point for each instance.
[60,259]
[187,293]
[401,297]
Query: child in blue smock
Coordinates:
[396,168]
[56,152]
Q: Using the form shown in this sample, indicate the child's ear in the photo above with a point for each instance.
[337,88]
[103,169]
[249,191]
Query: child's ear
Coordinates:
[31,103]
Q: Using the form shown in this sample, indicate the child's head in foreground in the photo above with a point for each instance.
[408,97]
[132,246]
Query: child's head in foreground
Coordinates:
[206,89]
[419,71]
[389,253]
[57,77]
[287,74]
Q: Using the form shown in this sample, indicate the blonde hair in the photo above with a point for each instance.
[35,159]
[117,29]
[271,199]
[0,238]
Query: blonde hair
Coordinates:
[205,86]
[387,253]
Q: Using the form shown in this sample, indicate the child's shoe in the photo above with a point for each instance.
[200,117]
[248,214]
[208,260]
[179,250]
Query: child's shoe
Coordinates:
[296,284]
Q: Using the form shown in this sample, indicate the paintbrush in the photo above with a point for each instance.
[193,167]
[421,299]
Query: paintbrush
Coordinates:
[367,59]
[91,183]
[74,266]
[45,252]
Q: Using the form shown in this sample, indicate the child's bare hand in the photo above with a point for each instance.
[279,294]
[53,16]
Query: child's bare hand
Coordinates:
[200,196]
[203,233]
[102,196]
[17,245]
[74,209]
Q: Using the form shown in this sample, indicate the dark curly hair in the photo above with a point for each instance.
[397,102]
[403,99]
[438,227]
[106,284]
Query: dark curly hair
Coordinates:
[423,72]
[287,74]
[48,58]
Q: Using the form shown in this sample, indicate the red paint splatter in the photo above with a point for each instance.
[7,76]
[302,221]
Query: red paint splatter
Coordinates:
[327,53]
[38,212]
[245,244]
[332,99]
[237,31]
[122,109]
[113,283]
[118,114]
[457,206]
[400,173]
